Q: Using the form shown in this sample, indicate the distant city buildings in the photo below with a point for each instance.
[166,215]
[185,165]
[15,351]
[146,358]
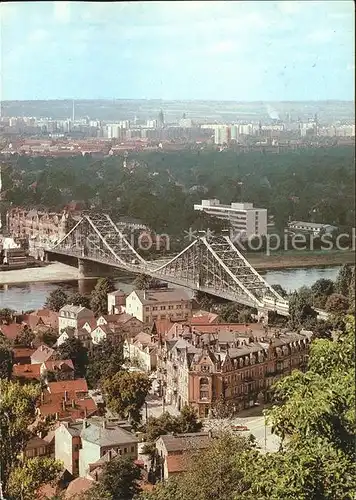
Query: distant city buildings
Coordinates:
[243,218]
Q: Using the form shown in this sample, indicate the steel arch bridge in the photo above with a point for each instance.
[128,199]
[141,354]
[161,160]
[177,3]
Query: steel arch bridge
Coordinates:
[212,265]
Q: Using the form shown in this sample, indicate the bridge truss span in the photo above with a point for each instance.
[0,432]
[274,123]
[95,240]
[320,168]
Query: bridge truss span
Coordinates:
[212,265]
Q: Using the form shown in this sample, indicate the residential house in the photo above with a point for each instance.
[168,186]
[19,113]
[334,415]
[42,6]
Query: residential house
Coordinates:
[22,355]
[73,316]
[99,436]
[67,445]
[200,317]
[11,331]
[198,369]
[42,354]
[127,324]
[162,303]
[62,369]
[66,399]
[175,451]
[27,372]
[36,447]
[141,351]
[116,302]
[77,487]
[104,331]
[41,319]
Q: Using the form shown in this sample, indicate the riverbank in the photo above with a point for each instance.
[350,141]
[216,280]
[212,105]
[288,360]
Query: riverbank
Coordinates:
[301,259]
[51,272]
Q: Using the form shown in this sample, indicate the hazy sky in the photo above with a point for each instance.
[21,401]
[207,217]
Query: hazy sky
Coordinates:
[222,50]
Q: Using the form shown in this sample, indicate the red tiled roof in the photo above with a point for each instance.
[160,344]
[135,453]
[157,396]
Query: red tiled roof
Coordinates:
[176,463]
[27,371]
[71,386]
[163,326]
[22,352]
[59,364]
[79,485]
[11,331]
[229,327]
[83,407]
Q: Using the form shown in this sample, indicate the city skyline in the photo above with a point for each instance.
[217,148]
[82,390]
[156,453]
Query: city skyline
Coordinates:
[178,51]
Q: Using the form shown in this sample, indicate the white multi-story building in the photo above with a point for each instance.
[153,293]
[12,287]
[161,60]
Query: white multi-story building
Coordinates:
[222,134]
[244,218]
[157,304]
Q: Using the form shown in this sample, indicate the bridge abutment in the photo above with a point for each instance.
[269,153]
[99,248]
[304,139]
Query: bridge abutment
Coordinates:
[262,316]
[87,270]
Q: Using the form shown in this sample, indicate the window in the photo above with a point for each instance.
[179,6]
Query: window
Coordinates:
[170,307]
[125,450]
[204,388]
[163,308]
[179,306]
[147,308]
[132,449]
[154,308]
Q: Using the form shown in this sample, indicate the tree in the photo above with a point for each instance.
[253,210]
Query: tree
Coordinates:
[48,337]
[213,473]
[120,478]
[144,282]
[300,310]
[6,315]
[337,304]
[17,413]
[112,352]
[188,420]
[230,313]
[126,393]
[6,361]
[279,289]
[25,337]
[343,280]
[321,290]
[73,349]
[320,402]
[308,470]
[28,476]
[56,300]
[99,296]
[79,300]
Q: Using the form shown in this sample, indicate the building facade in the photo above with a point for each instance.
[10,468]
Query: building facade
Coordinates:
[200,370]
[73,317]
[159,304]
[243,218]
[99,436]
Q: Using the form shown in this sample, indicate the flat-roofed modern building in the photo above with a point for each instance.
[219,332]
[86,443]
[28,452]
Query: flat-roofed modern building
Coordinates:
[243,218]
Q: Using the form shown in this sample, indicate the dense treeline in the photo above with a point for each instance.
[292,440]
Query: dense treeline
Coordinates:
[161,187]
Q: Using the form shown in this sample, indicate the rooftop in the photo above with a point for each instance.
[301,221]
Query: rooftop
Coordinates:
[184,442]
[27,371]
[159,295]
[71,386]
[106,433]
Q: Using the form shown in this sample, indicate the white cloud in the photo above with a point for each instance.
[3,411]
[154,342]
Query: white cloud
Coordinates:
[61,11]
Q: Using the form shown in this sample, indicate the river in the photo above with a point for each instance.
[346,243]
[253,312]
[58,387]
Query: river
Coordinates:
[32,295]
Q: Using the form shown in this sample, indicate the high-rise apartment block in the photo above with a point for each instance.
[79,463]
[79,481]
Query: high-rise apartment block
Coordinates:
[243,218]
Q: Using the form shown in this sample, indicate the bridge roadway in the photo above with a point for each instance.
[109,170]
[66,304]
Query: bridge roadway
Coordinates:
[208,264]
[151,268]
